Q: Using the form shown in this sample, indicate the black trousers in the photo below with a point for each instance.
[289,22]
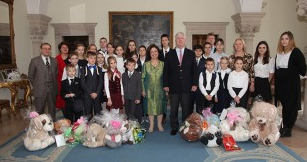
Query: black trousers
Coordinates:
[70,114]
[90,103]
[196,98]
[133,111]
[184,100]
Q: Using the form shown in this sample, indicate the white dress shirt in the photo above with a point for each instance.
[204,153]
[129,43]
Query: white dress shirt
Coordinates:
[70,80]
[44,59]
[216,57]
[237,80]
[165,51]
[282,60]
[120,64]
[142,60]
[223,72]
[106,85]
[208,86]
[178,53]
[263,70]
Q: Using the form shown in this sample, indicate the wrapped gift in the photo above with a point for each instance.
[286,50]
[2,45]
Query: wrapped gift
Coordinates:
[229,143]
[139,135]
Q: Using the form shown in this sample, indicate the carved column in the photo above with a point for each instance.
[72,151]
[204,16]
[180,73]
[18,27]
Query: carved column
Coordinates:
[38,29]
[247,24]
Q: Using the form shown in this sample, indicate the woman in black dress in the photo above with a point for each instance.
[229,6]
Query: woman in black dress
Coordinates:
[290,64]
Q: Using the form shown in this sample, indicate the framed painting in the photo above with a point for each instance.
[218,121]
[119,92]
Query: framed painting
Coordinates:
[144,27]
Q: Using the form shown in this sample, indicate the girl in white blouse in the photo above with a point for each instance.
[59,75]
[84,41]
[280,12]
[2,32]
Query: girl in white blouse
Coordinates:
[238,83]
[264,71]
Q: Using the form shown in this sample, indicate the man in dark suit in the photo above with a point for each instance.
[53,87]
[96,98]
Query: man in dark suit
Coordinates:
[196,97]
[179,79]
[43,71]
[71,92]
[132,83]
[165,49]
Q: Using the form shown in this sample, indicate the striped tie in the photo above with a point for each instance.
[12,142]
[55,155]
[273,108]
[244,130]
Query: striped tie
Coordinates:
[47,63]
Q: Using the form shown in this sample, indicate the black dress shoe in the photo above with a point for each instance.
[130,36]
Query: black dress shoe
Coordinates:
[286,132]
[174,132]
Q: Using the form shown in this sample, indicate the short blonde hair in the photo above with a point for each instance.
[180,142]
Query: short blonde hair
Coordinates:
[243,42]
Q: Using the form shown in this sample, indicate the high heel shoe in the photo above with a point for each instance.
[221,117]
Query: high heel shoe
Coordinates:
[150,130]
[160,128]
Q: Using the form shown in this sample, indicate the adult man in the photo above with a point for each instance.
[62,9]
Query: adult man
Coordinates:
[211,39]
[103,46]
[43,71]
[179,79]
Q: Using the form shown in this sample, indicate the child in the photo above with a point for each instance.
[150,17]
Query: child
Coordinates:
[264,70]
[131,48]
[238,83]
[101,62]
[132,83]
[222,99]
[200,61]
[207,50]
[92,48]
[110,51]
[82,58]
[165,48]
[92,84]
[219,46]
[120,59]
[113,87]
[73,59]
[142,58]
[71,92]
[135,58]
[208,83]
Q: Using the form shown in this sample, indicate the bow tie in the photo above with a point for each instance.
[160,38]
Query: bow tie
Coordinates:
[71,80]
[92,67]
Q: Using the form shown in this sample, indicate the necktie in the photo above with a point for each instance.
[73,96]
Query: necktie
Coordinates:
[180,56]
[197,61]
[130,74]
[71,80]
[47,63]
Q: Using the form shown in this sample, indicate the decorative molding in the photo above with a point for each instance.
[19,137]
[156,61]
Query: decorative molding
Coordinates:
[302,8]
[193,28]
[247,24]
[74,29]
[38,26]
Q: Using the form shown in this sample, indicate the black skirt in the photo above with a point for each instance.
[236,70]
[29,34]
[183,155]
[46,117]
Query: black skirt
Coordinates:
[243,99]
[263,88]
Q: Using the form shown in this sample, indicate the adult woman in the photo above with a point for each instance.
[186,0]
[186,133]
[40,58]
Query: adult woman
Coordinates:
[248,66]
[152,85]
[264,71]
[62,59]
[290,64]
[130,49]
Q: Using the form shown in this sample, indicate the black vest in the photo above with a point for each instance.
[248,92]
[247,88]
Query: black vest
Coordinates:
[223,82]
[212,82]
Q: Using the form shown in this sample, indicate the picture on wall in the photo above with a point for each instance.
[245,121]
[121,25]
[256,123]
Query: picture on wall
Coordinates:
[144,27]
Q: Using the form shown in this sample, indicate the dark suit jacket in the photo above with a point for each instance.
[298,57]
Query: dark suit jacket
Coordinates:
[75,88]
[132,86]
[92,83]
[180,79]
[140,67]
[37,75]
[201,66]
[161,54]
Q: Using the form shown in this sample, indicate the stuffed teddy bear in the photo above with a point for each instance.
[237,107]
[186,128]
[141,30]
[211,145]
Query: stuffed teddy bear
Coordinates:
[62,125]
[263,125]
[236,124]
[191,128]
[212,137]
[37,136]
[95,136]
[126,130]
[113,137]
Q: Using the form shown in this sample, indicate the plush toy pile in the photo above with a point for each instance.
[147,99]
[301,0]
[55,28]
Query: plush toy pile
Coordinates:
[37,136]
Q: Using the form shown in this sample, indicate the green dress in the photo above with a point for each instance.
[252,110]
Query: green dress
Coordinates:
[152,84]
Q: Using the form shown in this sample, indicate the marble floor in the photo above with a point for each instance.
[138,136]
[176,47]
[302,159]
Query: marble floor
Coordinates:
[14,125]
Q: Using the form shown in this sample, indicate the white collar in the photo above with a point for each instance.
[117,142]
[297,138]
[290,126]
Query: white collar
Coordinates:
[70,78]
[208,72]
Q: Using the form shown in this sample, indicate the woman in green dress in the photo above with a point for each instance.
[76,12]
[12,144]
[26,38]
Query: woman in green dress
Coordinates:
[152,85]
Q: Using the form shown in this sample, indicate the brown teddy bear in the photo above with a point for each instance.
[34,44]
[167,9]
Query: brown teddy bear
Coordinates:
[95,136]
[62,125]
[263,125]
[191,128]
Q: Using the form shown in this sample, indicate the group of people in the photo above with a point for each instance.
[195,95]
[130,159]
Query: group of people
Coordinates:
[138,81]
